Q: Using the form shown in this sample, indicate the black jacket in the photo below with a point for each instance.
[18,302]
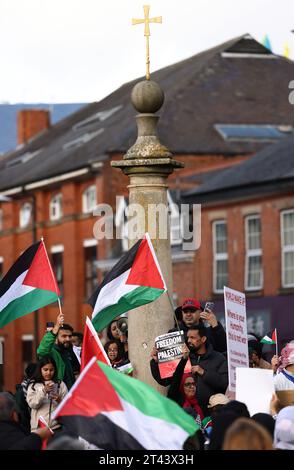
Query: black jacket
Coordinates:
[214,379]
[216,336]
[14,437]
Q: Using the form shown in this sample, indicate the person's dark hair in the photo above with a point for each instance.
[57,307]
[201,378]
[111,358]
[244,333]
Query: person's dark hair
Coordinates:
[265,420]
[120,348]
[65,442]
[237,407]
[255,346]
[7,406]
[37,376]
[221,423]
[30,369]
[195,442]
[78,335]
[109,333]
[200,328]
[66,326]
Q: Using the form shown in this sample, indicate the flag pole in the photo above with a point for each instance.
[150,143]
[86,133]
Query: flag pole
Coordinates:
[53,277]
[276,341]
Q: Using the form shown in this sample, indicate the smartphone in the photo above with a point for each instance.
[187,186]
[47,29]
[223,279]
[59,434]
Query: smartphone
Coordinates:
[54,390]
[209,306]
[49,325]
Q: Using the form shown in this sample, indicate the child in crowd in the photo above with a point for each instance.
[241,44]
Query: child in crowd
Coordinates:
[45,392]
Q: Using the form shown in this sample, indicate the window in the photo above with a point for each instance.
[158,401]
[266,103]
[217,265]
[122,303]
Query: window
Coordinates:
[55,208]
[1,220]
[253,263]
[253,132]
[27,350]
[89,199]
[287,242]
[121,222]
[91,281]
[25,214]
[220,256]
[57,265]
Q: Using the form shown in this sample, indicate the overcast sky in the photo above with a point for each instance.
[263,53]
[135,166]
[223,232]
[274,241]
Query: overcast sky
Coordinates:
[81,50]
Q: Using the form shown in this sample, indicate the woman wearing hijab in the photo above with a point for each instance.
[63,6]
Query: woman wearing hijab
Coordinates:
[183,391]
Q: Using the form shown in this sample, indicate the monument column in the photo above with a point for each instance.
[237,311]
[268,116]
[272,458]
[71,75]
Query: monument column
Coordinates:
[148,163]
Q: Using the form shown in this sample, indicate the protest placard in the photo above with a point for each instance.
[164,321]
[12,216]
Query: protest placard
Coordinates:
[236,331]
[169,353]
[255,388]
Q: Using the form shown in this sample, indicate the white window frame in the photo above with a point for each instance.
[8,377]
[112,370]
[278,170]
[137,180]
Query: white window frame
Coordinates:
[251,253]
[86,205]
[287,249]
[55,207]
[218,256]
[23,223]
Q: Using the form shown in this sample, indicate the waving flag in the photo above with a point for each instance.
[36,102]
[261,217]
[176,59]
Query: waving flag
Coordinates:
[29,284]
[134,281]
[116,412]
[92,346]
[270,338]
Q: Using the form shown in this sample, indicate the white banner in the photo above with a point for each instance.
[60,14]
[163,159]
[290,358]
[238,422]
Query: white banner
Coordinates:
[236,330]
[255,388]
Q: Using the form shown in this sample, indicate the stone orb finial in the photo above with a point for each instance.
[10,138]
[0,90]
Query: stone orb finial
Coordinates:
[147,97]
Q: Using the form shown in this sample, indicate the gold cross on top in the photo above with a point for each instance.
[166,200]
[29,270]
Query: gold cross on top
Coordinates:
[146,21]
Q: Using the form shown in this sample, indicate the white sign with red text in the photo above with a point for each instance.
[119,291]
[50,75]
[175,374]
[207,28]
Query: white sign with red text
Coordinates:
[236,330]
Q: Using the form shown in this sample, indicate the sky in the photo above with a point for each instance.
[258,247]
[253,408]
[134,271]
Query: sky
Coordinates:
[71,51]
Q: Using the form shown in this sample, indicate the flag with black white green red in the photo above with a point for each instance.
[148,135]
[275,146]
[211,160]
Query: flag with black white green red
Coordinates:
[117,412]
[134,281]
[270,338]
[28,285]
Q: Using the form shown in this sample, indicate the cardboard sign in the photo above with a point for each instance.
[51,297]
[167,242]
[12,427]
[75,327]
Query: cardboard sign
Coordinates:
[169,351]
[236,331]
[255,388]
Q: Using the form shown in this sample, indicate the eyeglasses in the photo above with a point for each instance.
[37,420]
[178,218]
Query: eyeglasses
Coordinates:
[112,350]
[190,384]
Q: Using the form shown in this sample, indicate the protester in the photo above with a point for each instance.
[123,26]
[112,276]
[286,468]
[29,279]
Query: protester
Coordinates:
[113,333]
[24,412]
[183,391]
[265,420]
[193,314]
[284,379]
[255,354]
[45,392]
[237,407]
[217,402]
[57,343]
[115,353]
[284,429]
[209,367]
[77,341]
[12,435]
[246,434]
[221,422]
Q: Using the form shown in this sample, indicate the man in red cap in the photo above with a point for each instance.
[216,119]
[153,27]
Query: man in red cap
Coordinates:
[194,314]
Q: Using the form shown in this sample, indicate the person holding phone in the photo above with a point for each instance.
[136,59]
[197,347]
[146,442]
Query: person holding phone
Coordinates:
[45,392]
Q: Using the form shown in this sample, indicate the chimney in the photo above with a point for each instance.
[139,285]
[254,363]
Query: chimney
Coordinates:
[30,122]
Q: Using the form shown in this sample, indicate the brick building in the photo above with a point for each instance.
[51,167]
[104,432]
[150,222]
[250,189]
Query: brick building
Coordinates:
[248,237]
[218,111]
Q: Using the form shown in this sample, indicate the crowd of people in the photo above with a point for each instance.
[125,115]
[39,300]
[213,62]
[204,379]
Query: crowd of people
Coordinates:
[202,392]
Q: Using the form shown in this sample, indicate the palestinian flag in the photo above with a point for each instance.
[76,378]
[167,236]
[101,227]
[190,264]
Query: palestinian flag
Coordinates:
[270,338]
[134,281]
[42,423]
[29,284]
[92,346]
[117,412]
